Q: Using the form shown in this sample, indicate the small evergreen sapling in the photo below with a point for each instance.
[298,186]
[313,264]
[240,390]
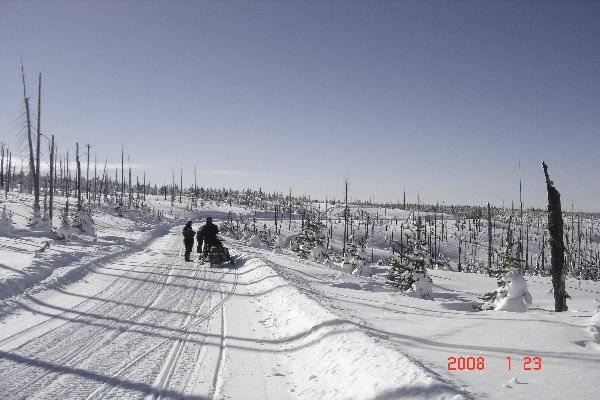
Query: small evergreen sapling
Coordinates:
[6,222]
[512,293]
[409,273]
[64,232]
[311,237]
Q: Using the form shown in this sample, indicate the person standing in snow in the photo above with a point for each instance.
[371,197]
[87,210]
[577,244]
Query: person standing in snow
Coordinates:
[188,239]
[208,235]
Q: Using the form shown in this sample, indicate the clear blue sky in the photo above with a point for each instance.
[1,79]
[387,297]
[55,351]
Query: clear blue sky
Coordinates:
[441,98]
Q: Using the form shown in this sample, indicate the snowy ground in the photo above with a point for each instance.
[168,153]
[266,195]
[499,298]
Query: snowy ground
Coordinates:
[152,325]
[135,321]
[432,331]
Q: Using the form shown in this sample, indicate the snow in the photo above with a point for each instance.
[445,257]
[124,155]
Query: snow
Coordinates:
[326,350]
[517,298]
[433,330]
[125,317]
[422,287]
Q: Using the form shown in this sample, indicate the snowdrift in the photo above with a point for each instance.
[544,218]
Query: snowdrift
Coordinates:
[333,358]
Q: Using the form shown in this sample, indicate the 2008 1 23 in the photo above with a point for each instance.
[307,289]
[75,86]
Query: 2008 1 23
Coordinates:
[460,363]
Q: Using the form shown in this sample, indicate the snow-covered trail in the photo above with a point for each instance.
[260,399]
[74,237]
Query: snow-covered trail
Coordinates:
[432,331]
[148,326]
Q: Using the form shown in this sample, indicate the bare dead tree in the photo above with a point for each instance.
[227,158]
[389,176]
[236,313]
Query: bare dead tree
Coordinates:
[36,206]
[52,171]
[8,177]
[78,180]
[345,217]
[103,183]
[36,181]
[557,247]
[87,174]
[489,221]
[129,190]
[1,165]
[95,177]
[122,175]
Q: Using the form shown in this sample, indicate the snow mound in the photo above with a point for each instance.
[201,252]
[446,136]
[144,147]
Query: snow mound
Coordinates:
[346,265]
[330,357]
[422,287]
[593,329]
[513,295]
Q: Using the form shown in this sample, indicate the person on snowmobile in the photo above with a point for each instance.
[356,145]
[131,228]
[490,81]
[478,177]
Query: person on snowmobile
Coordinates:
[188,239]
[208,235]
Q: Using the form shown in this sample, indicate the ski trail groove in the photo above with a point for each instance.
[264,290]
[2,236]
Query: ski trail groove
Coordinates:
[79,352]
[104,390]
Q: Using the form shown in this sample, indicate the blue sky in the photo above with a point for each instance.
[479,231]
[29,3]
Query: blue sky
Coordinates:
[440,98]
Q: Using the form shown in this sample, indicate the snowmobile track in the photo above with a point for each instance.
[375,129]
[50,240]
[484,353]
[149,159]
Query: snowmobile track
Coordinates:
[81,350]
[164,377]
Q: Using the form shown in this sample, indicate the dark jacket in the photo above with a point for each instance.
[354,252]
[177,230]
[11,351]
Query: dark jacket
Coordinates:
[208,234]
[188,234]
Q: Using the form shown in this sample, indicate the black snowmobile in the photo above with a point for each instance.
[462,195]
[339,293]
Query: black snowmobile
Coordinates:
[217,255]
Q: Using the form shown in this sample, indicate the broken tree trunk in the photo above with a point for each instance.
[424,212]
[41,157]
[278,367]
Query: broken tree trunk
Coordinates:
[557,247]
[36,181]
[78,181]
[52,181]
[36,205]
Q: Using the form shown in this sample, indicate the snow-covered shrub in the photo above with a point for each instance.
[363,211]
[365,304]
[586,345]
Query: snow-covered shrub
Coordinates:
[511,295]
[64,232]
[360,264]
[441,263]
[120,210]
[311,236]
[255,241]
[6,222]
[84,223]
[409,273]
[279,242]
[593,327]
[230,228]
[44,224]
[346,265]
[36,222]
[317,253]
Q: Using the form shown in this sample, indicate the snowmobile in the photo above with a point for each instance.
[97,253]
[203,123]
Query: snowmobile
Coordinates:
[218,256]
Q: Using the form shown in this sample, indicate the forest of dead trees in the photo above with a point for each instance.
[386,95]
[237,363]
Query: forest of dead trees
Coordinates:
[464,238]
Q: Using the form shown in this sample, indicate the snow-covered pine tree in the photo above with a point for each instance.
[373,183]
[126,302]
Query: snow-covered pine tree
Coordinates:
[83,221]
[6,222]
[64,232]
[409,272]
[311,237]
[512,293]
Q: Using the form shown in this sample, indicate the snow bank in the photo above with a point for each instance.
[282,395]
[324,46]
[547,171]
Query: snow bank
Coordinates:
[330,357]
[45,273]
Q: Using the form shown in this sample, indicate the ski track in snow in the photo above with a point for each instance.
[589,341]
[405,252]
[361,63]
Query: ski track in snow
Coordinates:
[140,337]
